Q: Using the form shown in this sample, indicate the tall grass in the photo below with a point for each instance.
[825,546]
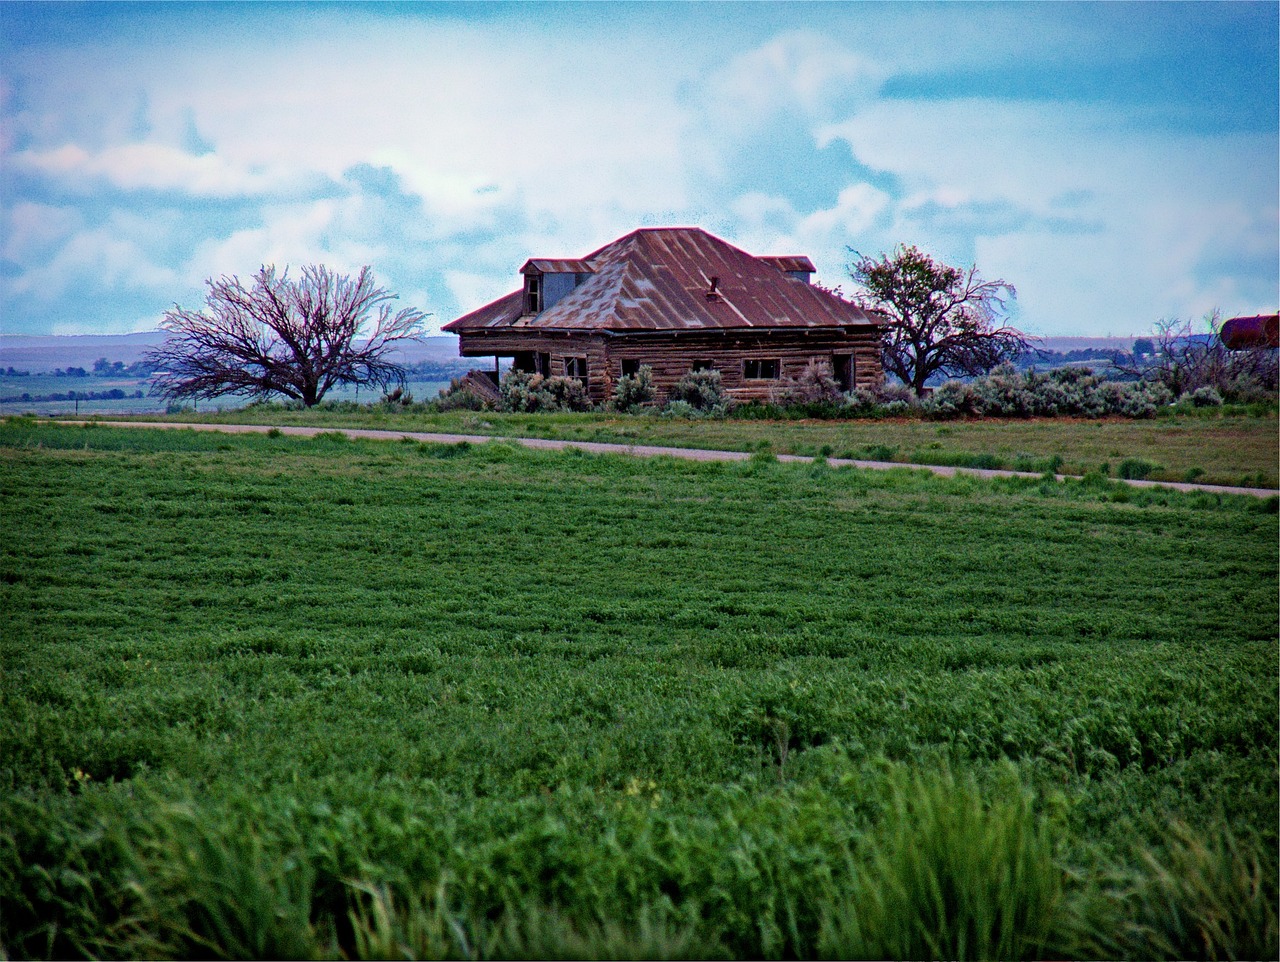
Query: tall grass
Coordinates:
[195,887]
[424,926]
[951,873]
[894,861]
[1201,894]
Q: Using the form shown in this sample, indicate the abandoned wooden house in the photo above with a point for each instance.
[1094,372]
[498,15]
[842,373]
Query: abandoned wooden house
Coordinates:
[676,299]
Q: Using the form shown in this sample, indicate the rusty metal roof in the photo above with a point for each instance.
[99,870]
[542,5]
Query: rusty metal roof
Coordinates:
[657,279]
[791,263]
[542,265]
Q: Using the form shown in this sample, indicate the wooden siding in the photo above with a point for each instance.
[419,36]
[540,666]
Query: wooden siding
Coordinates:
[671,355]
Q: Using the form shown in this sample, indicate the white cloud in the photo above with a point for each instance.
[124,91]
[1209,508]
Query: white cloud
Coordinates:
[292,235]
[1154,226]
[156,167]
[472,290]
[857,211]
[772,225]
[455,109]
[32,231]
[100,257]
[795,71]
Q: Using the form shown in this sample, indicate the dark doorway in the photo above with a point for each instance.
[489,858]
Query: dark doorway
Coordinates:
[842,370]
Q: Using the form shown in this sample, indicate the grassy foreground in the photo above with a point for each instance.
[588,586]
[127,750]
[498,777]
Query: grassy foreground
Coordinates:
[275,697]
[1208,447]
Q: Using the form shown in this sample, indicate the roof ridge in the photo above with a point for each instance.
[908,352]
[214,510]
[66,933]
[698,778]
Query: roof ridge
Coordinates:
[631,235]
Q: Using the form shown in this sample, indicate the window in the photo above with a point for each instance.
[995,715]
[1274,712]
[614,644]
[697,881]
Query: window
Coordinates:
[703,365]
[532,293]
[532,362]
[630,367]
[760,369]
[576,367]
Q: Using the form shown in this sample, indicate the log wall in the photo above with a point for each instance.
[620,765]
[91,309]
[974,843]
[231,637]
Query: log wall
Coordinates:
[672,354]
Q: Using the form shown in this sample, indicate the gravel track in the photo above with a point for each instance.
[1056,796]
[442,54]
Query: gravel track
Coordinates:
[649,451]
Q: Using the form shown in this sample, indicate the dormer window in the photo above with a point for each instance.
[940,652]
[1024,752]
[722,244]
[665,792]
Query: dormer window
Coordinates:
[546,281]
[532,293]
[801,268]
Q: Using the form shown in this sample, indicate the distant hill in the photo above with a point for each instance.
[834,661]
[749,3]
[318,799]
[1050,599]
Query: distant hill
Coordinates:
[39,354]
[1066,344]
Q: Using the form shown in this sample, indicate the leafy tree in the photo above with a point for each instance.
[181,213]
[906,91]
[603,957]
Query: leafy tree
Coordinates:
[941,319]
[298,338]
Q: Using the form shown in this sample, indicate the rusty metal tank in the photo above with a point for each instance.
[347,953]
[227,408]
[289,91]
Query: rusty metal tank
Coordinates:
[1244,333]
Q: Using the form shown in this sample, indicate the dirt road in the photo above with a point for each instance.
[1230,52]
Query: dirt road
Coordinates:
[645,451]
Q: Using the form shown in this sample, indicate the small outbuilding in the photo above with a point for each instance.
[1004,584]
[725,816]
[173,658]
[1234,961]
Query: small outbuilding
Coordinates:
[677,299]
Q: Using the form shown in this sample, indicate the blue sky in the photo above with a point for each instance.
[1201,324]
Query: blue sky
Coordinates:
[1117,163]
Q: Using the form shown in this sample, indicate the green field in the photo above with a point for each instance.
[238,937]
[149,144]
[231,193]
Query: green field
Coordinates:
[1226,449]
[274,697]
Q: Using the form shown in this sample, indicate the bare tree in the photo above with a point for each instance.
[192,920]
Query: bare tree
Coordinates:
[942,320]
[280,336]
[1187,357]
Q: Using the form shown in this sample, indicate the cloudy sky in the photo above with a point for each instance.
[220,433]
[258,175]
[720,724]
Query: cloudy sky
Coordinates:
[1118,163]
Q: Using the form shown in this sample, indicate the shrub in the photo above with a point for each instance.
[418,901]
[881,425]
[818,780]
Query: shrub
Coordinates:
[1204,397]
[815,385]
[1065,392]
[567,394]
[524,392]
[1136,469]
[456,397]
[634,390]
[681,409]
[896,408]
[521,392]
[1005,393]
[399,398]
[860,401]
[889,392]
[702,390]
[896,399]
[954,399]
[1243,388]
